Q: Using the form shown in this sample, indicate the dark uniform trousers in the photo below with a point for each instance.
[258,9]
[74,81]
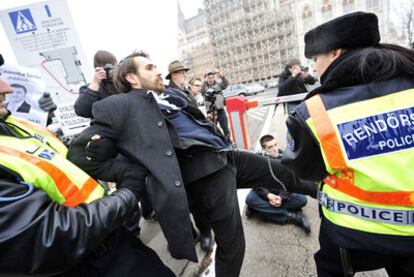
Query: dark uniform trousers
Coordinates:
[215,195]
[328,260]
[224,124]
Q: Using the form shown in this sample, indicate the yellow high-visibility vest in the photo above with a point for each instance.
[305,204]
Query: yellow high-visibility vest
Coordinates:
[368,151]
[25,127]
[43,167]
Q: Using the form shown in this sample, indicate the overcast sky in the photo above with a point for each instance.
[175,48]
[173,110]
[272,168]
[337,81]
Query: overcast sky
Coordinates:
[120,26]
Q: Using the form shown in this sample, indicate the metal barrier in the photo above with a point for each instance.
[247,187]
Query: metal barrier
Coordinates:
[237,107]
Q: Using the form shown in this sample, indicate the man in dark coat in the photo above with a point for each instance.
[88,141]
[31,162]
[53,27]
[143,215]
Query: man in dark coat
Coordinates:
[293,80]
[183,154]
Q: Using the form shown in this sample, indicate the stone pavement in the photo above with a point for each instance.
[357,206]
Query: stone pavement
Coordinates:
[271,249]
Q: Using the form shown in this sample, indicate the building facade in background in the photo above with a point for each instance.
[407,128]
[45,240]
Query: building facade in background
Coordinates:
[310,13]
[194,46]
[252,40]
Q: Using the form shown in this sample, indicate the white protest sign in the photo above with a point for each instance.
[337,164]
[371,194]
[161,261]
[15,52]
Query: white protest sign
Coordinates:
[43,37]
[70,123]
[28,86]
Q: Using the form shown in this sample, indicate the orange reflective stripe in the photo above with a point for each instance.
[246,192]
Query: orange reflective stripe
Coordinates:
[326,133]
[72,194]
[346,185]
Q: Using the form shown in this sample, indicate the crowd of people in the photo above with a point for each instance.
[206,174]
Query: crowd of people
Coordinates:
[169,159]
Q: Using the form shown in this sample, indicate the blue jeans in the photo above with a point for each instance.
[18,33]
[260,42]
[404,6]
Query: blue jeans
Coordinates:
[279,214]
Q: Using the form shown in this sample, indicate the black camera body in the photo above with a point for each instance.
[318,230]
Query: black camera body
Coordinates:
[210,96]
[109,70]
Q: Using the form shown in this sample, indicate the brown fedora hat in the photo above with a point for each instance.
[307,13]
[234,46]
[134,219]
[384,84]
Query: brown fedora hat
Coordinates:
[175,66]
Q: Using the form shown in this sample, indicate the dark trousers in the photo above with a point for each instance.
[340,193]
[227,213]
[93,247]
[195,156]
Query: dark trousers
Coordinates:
[224,123]
[216,197]
[328,260]
[276,214]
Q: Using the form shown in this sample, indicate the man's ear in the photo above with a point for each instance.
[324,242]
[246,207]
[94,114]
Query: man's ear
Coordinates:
[133,80]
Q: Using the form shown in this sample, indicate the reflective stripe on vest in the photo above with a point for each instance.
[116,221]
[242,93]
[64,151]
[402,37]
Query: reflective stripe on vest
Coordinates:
[390,216]
[334,156]
[37,131]
[41,166]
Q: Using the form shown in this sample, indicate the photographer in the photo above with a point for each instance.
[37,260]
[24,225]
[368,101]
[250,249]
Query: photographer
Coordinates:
[292,81]
[214,100]
[101,85]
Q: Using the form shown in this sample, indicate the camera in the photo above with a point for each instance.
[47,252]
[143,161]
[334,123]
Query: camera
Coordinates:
[109,70]
[210,96]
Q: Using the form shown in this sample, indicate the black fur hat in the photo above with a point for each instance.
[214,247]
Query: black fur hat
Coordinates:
[354,30]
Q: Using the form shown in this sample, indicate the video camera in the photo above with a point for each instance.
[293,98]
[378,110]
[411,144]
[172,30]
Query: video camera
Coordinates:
[210,96]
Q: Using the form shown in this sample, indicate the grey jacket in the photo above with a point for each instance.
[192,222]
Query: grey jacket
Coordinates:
[219,87]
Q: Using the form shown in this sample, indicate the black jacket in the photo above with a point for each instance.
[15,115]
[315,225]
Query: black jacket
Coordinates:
[86,98]
[134,122]
[289,85]
[40,236]
[340,86]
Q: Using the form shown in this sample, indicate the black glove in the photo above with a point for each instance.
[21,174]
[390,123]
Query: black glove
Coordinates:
[133,179]
[100,149]
[46,103]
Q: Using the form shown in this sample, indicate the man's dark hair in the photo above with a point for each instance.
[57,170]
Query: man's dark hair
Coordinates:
[125,66]
[265,138]
[19,86]
[292,63]
[103,57]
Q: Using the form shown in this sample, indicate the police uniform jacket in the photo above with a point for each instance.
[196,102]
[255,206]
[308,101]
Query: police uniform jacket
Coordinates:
[341,86]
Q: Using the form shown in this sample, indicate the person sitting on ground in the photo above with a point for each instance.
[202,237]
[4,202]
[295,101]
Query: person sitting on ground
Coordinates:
[275,205]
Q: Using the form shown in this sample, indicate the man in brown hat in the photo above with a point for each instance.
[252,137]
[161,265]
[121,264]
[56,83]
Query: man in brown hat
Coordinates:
[177,74]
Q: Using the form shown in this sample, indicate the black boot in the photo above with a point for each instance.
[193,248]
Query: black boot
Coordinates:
[301,220]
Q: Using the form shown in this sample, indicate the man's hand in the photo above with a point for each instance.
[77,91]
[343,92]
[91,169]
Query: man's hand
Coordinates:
[296,71]
[98,76]
[274,200]
[46,103]
[100,149]
[220,74]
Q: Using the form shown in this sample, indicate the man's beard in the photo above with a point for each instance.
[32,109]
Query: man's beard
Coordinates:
[155,85]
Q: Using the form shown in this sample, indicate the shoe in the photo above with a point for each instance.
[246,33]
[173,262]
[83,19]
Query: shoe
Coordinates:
[206,242]
[301,220]
[150,216]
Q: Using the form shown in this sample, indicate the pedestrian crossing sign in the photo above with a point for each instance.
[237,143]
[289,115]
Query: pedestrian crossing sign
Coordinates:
[22,21]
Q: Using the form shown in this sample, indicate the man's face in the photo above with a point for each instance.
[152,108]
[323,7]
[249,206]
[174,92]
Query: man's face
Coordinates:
[195,88]
[4,89]
[271,148]
[210,79]
[179,78]
[295,66]
[148,75]
[18,95]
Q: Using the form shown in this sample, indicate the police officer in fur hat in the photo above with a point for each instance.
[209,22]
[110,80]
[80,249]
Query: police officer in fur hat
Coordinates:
[355,134]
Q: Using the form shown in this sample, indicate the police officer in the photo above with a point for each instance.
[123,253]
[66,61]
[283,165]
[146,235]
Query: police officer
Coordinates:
[354,134]
[55,219]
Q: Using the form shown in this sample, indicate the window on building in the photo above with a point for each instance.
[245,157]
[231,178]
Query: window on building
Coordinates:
[326,10]
[307,18]
[348,6]
[373,4]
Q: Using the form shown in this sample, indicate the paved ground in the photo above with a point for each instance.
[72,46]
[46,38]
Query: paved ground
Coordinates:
[271,249]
